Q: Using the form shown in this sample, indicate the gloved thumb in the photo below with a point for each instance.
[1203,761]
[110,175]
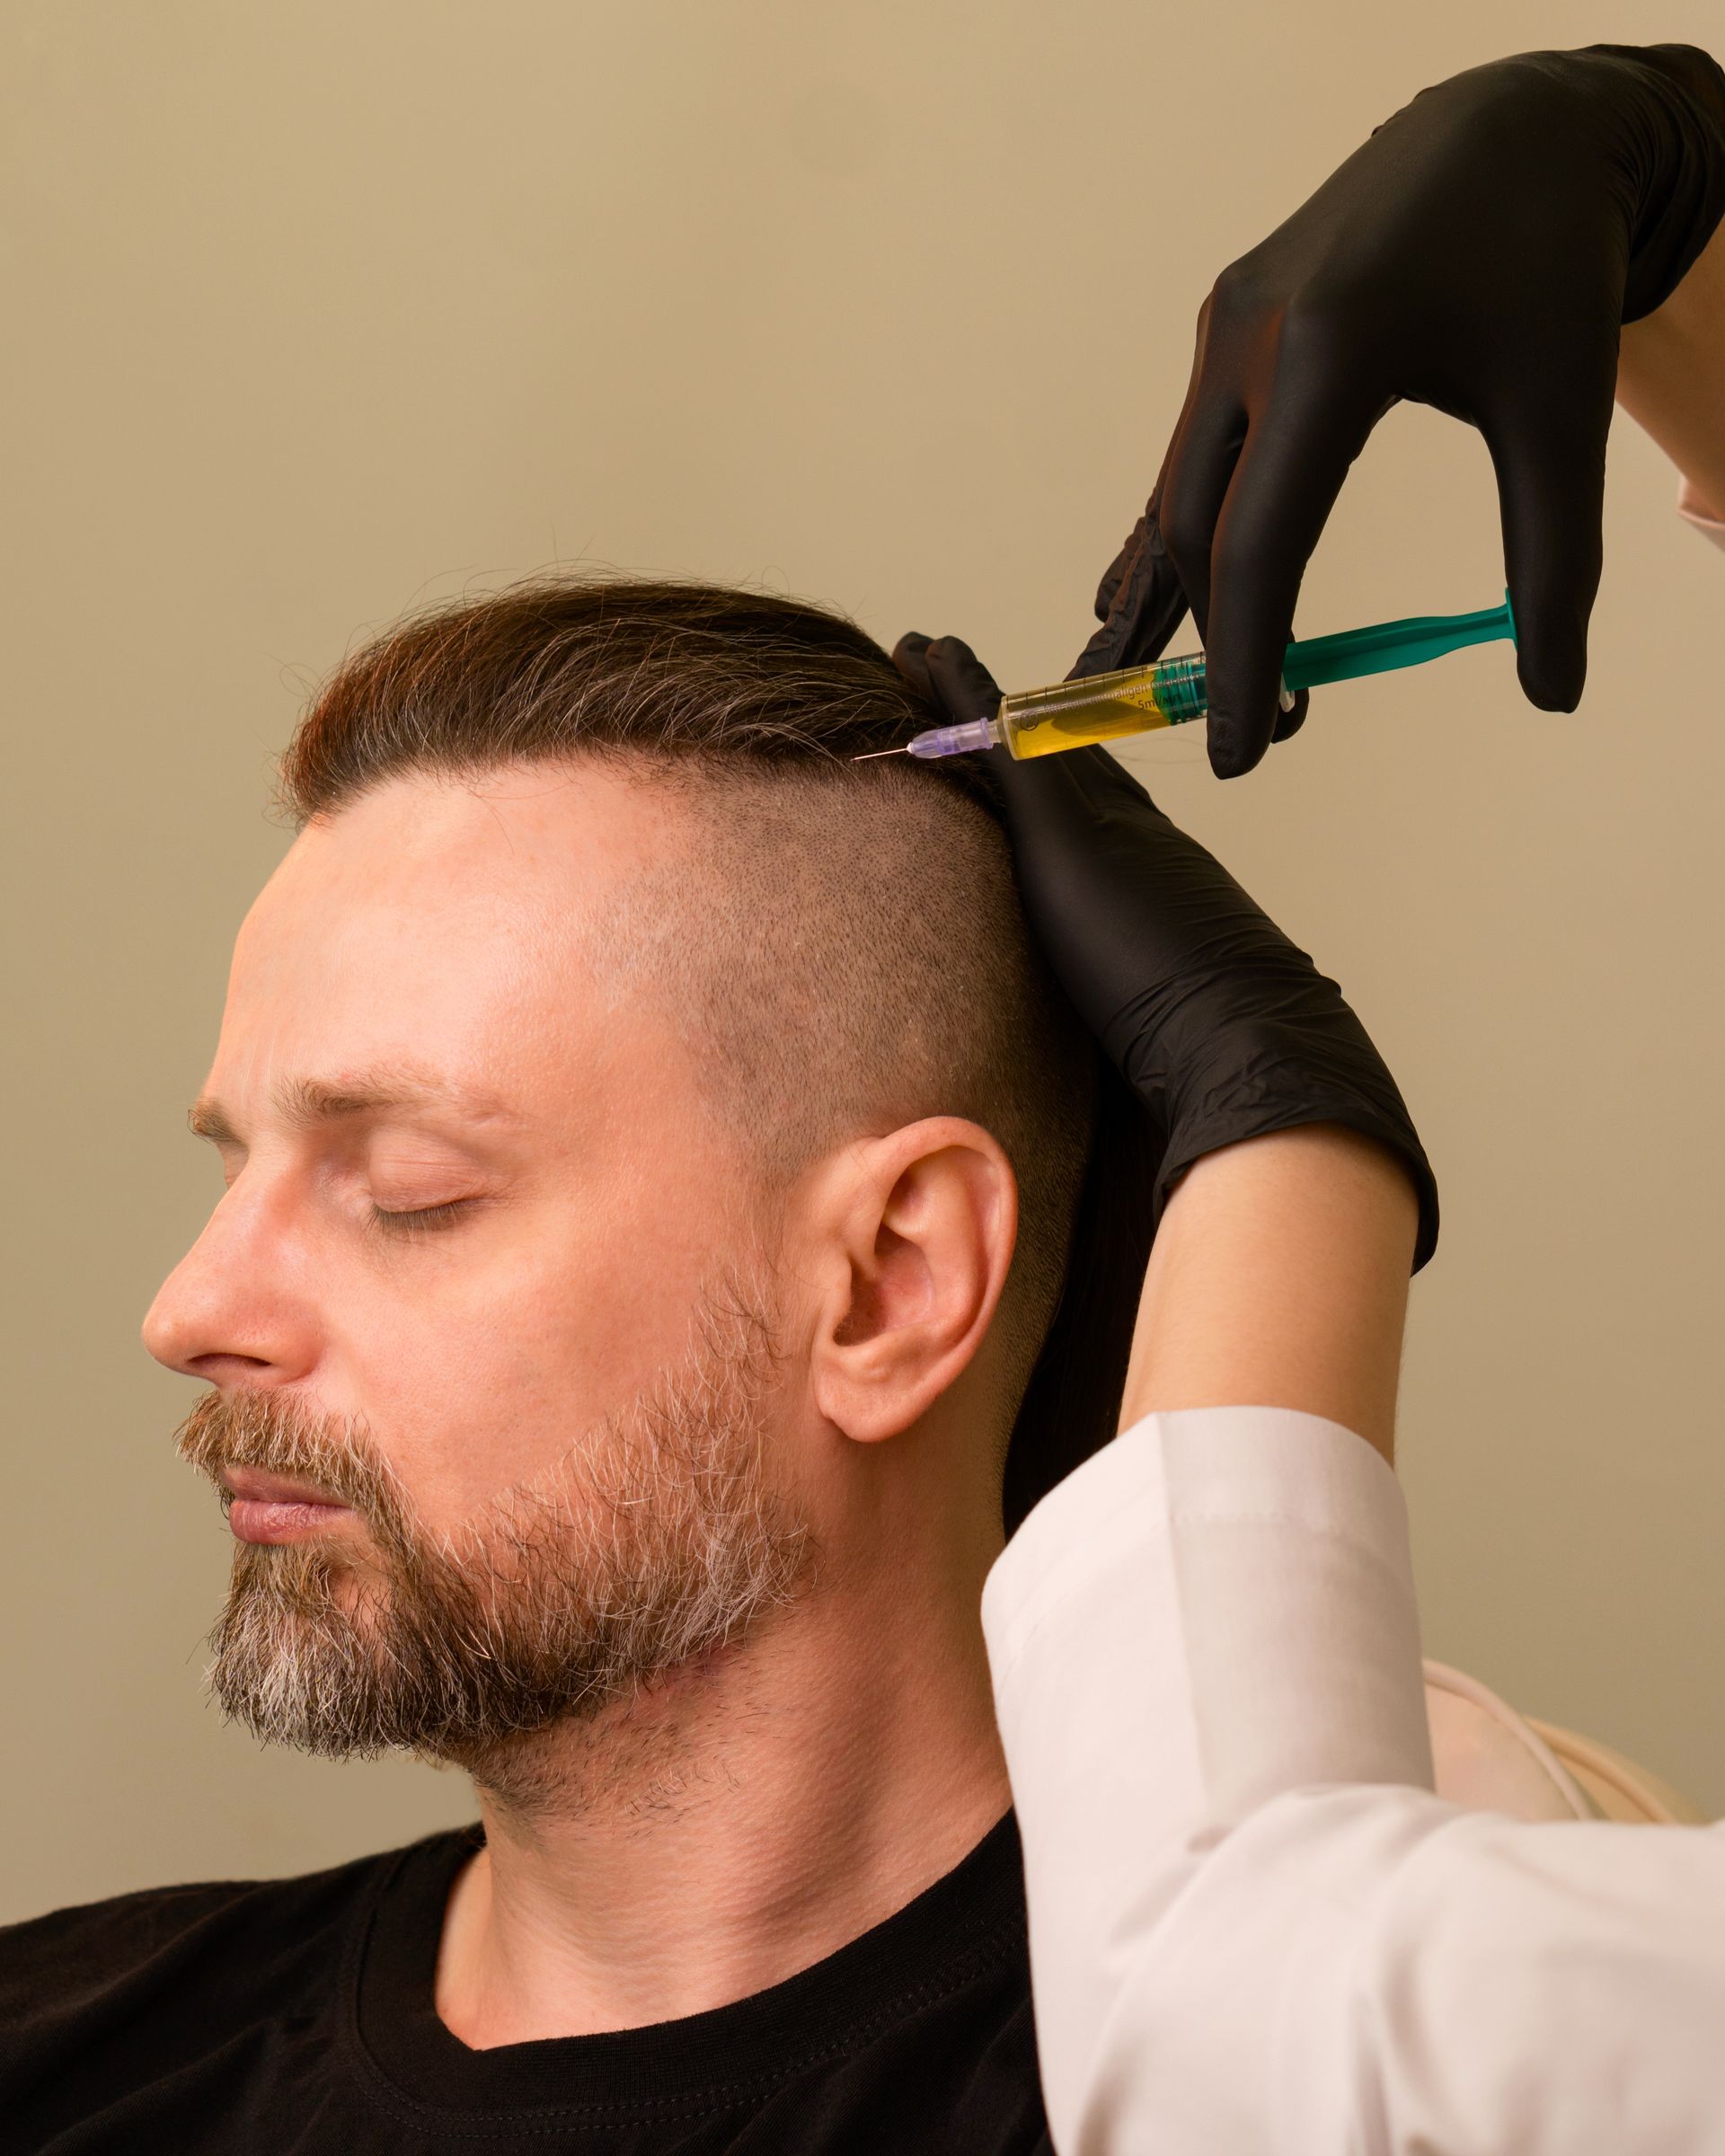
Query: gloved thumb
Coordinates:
[1140,603]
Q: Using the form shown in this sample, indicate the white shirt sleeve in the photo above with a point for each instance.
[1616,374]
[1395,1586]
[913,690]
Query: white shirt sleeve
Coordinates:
[1254,1928]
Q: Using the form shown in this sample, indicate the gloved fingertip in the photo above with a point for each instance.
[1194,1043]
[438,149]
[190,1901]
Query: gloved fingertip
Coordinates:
[950,647]
[1551,680]
[1234,748]
[910,655]
[960,680]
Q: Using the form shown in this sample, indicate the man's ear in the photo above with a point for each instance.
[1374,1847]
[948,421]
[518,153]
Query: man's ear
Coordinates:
[914,1236]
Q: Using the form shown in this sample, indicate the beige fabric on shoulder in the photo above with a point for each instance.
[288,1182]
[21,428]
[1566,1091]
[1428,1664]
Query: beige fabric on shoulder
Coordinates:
[1615,1786]
[1491,1759]
[1701,514]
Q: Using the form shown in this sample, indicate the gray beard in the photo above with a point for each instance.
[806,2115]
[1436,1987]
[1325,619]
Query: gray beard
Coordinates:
[653,1543]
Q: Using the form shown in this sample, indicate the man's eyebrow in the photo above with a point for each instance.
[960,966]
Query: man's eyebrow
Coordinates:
[206,1118]
[307,1103]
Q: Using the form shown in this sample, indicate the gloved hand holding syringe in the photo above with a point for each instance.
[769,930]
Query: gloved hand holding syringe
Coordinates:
[1136,699]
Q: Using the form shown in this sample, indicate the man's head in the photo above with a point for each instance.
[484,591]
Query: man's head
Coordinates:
[639,1121]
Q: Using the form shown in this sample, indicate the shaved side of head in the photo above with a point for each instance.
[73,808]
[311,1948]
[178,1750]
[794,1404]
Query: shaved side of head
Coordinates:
[834,959]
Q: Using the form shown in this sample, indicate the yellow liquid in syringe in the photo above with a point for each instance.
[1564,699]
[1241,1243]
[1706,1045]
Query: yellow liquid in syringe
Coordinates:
[1103,708]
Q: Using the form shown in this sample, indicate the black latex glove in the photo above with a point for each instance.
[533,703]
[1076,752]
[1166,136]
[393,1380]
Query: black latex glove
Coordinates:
[1479,254]
[1220,1025]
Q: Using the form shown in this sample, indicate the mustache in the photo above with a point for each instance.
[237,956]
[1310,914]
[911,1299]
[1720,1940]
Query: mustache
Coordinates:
[280,1434]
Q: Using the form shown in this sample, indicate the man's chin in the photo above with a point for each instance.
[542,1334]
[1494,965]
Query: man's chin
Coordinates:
[298,1653]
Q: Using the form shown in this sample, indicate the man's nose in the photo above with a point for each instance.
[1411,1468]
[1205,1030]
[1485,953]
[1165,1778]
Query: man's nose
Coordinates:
[235,1310]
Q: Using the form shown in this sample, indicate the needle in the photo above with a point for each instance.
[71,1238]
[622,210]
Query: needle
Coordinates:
[873,753]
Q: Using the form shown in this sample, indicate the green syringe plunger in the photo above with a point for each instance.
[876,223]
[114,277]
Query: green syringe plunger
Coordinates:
[1071,714]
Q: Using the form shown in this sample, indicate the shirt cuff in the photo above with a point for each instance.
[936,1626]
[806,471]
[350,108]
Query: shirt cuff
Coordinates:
[1238,1581]
[1702,514]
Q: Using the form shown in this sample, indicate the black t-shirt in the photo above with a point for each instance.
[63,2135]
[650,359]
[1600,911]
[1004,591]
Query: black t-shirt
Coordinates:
[296,2015]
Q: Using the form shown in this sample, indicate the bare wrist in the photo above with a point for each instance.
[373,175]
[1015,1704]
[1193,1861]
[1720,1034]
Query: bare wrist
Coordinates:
[1279,1278]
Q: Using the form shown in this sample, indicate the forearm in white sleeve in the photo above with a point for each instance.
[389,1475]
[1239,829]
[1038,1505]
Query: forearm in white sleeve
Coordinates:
[1252,1926]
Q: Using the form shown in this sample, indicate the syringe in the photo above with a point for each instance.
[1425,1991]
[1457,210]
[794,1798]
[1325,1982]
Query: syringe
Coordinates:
[1040,722]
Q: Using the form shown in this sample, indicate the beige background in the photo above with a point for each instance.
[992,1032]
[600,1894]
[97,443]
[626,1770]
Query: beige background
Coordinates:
[320,309]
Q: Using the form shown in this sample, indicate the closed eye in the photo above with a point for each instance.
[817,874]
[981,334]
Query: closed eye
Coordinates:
[419,1220]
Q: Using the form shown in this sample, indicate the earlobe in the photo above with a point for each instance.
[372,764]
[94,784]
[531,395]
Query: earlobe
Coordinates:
[920,1227]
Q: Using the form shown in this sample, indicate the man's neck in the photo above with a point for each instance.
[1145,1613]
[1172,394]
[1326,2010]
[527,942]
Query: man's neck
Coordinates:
[730,1825]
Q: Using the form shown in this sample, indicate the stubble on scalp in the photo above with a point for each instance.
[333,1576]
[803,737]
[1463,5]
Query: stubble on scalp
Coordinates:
[657,1540]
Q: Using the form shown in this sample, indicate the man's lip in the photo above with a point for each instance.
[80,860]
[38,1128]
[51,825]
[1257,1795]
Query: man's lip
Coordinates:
[252,1484]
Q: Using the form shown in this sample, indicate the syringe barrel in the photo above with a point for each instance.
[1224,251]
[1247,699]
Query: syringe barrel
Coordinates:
[1103,707]
[1106,706]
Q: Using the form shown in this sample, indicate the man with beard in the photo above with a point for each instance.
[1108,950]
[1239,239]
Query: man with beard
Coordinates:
[667,1204]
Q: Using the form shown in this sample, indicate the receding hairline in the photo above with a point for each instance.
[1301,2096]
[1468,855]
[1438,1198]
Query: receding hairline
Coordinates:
[685,776]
